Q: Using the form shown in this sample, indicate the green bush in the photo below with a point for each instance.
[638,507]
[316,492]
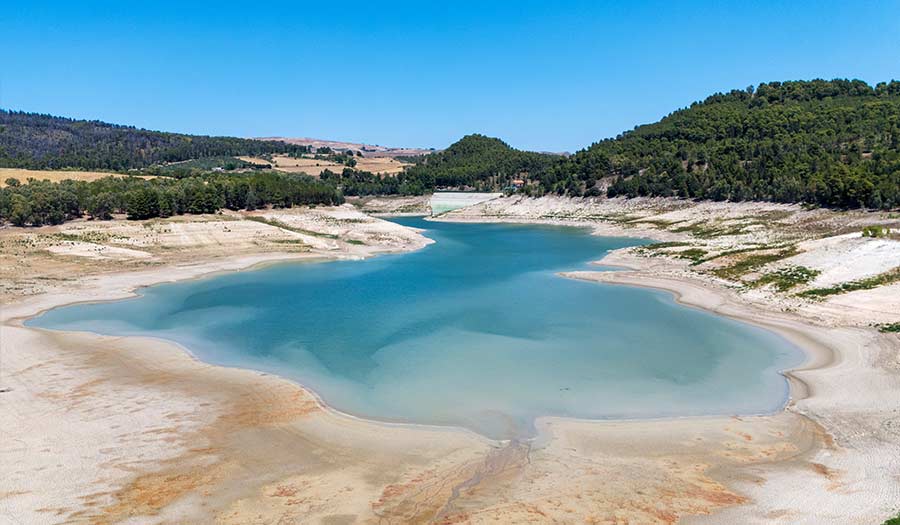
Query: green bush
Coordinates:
[890,328]
[875,231]
[868,283]
[787,278]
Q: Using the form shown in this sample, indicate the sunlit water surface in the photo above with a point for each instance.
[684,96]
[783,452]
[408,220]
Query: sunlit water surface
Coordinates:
[476,330]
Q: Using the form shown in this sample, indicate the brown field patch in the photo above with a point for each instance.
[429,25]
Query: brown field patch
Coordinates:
[56,175]
[315,167]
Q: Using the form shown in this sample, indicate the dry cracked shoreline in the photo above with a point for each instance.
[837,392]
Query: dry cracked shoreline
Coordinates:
[131,430]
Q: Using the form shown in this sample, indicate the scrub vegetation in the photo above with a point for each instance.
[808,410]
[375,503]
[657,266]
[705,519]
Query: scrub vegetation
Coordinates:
[868,283]
[751,263]
[785,279]
[876,231]
[893,521]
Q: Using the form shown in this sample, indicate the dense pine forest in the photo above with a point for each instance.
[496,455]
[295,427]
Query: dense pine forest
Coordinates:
[34,141]
[479,162]
[827,143]
[831,143]
[38,203]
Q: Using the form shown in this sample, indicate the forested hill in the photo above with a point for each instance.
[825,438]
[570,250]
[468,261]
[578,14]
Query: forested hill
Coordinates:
[35,141]
[832,143]
[479,162]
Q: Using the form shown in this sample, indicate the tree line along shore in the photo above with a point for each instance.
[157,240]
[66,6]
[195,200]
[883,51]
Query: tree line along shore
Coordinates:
[824,143]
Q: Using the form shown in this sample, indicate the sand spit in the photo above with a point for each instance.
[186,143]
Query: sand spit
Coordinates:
[130,430]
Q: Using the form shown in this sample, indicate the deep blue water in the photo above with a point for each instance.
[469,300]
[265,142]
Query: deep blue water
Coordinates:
[475,330]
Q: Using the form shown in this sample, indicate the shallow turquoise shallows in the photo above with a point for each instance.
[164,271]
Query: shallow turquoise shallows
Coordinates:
[476,330]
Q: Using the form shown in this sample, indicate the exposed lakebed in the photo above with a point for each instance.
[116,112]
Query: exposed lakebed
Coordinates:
[475,330]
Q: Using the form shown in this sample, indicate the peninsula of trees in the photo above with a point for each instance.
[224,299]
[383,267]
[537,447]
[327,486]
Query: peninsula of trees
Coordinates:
[37,202]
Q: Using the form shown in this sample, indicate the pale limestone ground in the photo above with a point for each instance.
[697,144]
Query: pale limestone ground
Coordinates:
[125,430]
[853,396]
[444,201]
[393,206]
[34,260]
[706,239]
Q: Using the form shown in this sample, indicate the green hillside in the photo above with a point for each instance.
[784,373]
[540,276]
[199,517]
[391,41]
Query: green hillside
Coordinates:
[479,162]
[829,143]
[35,141]
[832,143]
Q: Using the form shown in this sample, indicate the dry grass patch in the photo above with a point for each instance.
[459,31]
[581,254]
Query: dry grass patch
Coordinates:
[57,175]
[315,167]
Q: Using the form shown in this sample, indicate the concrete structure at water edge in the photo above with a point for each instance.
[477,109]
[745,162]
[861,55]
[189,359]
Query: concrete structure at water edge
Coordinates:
[444,201]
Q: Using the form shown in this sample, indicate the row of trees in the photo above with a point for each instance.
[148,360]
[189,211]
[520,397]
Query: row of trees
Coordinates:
[360,183]
[38,203]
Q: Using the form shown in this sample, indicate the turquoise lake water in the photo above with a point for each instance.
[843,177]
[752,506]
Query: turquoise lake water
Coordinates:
[475,330]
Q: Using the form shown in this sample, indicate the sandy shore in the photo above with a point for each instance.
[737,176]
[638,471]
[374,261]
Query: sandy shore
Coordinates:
[851,467]
[844,395]
[115,430]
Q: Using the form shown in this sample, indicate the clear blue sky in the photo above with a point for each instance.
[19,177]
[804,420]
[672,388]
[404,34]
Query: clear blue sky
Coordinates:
[541,75]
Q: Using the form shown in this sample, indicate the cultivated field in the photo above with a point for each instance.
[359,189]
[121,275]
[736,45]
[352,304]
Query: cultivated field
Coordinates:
[55,175]
[314,167]
[369,150]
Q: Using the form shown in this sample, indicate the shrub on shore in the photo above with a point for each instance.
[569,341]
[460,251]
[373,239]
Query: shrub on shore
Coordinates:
[892,328]
[786,278]
[888,277]
[875,231]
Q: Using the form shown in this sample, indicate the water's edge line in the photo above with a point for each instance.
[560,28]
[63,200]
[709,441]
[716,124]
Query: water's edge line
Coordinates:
[796,385]
[133,291]
[801,332]
[817,354]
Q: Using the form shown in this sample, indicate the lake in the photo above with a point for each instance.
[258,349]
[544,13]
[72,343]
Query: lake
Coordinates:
[475,330]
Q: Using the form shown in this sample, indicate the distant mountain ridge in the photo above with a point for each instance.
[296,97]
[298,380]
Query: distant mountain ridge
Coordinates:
[37,141]
[368,150]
